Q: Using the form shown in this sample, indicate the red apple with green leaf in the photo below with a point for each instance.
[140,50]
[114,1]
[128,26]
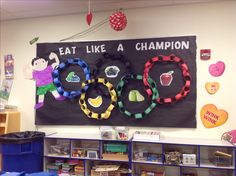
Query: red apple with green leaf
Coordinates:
[166,78]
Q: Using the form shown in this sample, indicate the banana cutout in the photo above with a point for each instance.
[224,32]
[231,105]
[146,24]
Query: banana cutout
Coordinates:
[95,102]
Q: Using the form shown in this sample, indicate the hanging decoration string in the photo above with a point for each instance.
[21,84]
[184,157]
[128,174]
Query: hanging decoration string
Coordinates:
[89,15]
[90,29]
[89,7]
[87,31]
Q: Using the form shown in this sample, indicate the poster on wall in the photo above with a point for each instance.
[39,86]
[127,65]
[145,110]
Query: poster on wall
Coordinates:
[9,66]
[138,82]
[5,90]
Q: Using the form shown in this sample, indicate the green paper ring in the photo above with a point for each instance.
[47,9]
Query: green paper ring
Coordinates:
[124,80]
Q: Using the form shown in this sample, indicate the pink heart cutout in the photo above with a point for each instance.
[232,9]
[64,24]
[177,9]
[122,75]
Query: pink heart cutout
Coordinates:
[217,69]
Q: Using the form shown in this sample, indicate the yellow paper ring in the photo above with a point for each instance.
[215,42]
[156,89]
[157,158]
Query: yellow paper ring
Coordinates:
[83,105]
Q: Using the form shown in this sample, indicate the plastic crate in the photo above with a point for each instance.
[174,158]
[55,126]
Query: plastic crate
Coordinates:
[121,148]
[27,157]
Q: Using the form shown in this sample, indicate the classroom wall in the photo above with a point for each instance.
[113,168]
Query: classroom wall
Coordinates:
[212,23]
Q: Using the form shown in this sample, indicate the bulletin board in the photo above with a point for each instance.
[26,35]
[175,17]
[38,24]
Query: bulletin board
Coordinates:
[180,114]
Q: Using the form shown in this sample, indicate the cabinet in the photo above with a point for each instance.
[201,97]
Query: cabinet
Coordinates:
[79,154]
[185,157]
[169,157]
[9,121]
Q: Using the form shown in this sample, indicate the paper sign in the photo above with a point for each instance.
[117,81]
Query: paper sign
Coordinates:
[5,89]
[205,54]
[212,87]
[212,117]
[217,69]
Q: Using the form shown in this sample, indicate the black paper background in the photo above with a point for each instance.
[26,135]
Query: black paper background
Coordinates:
[180,114]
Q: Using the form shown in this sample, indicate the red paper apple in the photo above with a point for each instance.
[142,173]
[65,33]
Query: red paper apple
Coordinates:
[166,78]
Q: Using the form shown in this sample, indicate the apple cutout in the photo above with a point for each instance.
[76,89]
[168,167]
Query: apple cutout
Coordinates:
[166,78]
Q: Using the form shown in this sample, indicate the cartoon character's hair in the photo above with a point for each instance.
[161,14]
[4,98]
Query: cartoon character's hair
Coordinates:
[37,58]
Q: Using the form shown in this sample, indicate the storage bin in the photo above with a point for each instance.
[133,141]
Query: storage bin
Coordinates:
[120,148]
[222,161]
[22,152]
[173,157]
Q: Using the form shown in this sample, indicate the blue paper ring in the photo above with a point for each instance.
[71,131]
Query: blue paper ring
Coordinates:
[61,67]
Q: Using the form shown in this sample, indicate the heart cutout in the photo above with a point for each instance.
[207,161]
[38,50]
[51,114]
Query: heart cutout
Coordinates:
[217,69]
[89,18]
[212,87]
[212,117]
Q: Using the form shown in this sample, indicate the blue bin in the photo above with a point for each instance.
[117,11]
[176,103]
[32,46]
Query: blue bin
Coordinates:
[24,154]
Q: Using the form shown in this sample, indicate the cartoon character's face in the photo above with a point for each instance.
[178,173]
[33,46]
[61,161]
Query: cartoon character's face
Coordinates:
[40,64]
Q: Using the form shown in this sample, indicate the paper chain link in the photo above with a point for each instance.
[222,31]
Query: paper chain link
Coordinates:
[112,92]
[60,68]
[124,80]
[113,57]
[185,73]
[150,85]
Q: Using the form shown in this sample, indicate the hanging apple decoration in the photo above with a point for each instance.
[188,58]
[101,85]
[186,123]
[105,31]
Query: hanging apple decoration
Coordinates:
[89,18]
[118,21]
[166,78]
[89,15]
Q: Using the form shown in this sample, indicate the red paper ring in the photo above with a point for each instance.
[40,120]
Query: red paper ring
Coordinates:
[185,73]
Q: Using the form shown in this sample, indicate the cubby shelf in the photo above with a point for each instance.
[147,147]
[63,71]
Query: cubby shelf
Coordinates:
[9,121]
[57,156]
[210,165]
[147,162]
[201,148]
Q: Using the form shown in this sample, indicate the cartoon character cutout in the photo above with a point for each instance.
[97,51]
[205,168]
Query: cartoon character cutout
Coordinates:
[42,74]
